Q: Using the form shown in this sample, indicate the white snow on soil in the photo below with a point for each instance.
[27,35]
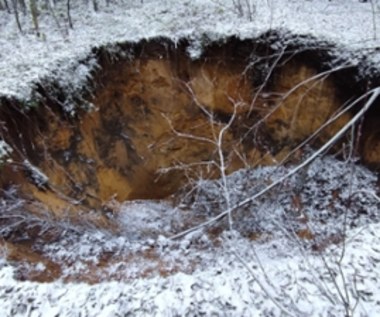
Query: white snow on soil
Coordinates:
[28,59]
[300,283]
[276,274]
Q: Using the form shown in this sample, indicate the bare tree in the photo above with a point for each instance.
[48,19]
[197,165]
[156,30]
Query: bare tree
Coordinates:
[95,5]
[374,95]
[15,10]
[34,13]
[70,21]
[245,8]
[5,6]
[374,20]
[23,6]
[50,5]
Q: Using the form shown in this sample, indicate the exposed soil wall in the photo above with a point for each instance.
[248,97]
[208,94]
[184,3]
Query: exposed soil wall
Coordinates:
[158,118]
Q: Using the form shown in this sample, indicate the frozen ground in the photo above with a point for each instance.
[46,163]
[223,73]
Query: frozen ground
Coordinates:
[307,248]
[27,59]
[301,283]
[267,266]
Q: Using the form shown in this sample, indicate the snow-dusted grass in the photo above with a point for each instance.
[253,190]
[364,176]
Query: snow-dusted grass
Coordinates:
[144,272]
[221,286]
[5,150]
[322,198]
[28,59]
[326,203]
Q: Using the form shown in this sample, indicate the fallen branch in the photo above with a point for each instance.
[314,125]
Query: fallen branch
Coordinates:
[374,92]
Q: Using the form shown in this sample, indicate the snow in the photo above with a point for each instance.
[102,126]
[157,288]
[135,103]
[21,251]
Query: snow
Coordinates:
[223,287]
[147,273]
[324,188]
[37,177]
[27,60]
[5,150]
[262,268]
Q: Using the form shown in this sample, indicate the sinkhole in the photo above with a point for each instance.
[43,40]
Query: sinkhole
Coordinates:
[162,118]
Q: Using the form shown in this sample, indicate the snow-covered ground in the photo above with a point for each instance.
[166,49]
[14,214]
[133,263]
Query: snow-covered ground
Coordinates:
[278,274]
[262,268]
[350,24]
[266,266]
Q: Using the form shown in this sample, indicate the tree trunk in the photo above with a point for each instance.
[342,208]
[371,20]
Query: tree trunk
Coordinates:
[4,6]
[95,4]
[34,12]
[69,15]
[23,6]
[51,9]
[15,9]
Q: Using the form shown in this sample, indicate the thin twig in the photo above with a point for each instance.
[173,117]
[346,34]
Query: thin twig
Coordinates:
[374,92]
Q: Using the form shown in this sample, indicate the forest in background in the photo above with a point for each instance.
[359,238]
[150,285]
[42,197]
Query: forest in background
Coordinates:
[59,10]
